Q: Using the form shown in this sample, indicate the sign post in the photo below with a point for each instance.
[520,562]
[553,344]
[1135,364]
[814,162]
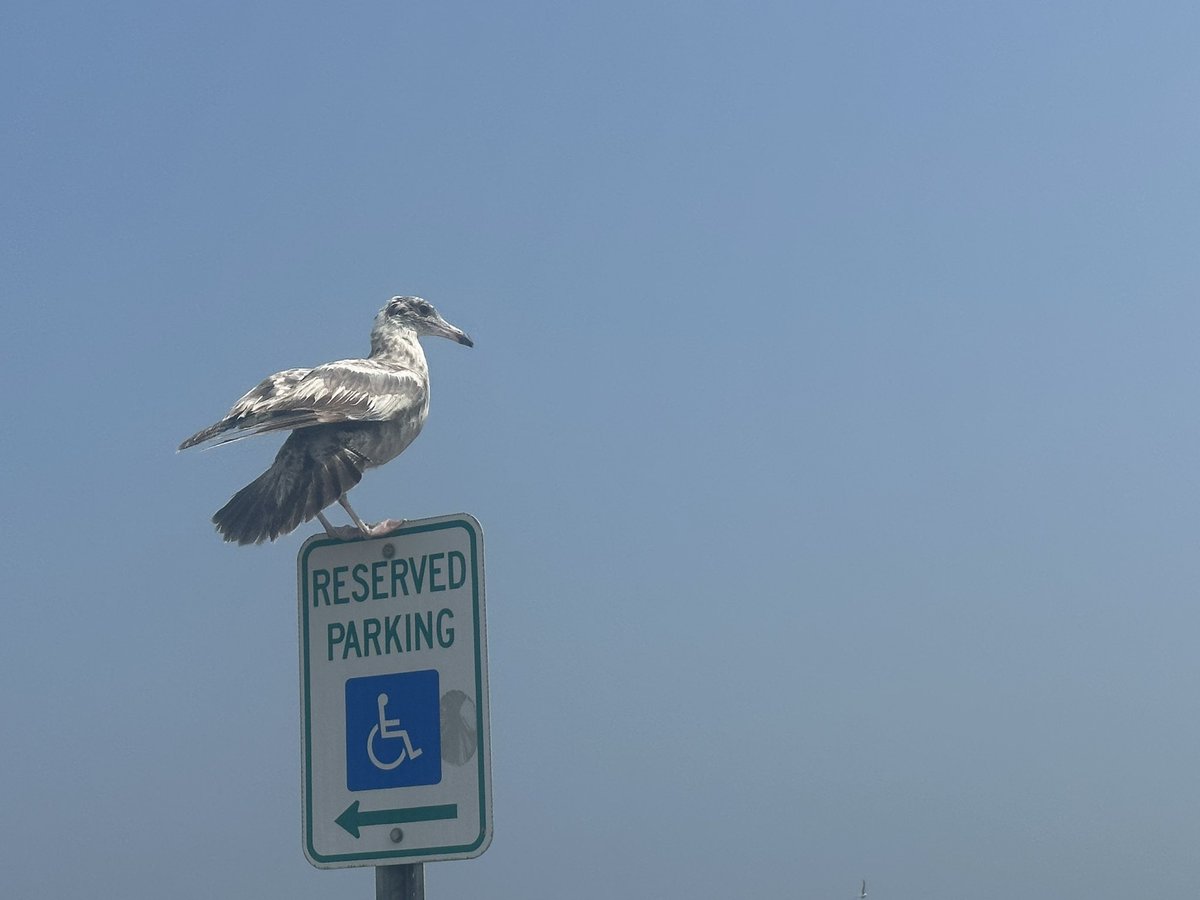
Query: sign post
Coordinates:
[400,882]
[393,685]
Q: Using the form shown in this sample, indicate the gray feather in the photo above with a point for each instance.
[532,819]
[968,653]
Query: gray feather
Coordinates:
[345,417]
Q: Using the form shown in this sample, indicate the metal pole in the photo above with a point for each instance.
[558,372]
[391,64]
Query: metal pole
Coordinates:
[405,882]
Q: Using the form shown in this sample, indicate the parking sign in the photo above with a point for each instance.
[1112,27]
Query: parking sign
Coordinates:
[393,672]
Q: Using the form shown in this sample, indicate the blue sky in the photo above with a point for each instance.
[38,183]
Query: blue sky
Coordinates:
[829,420]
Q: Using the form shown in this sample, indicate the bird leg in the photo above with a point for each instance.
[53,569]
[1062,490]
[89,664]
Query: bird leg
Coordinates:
[379,529]
[353,515]
[359,528]
[341,532]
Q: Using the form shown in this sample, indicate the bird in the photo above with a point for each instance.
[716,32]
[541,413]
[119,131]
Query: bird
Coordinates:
[345,417]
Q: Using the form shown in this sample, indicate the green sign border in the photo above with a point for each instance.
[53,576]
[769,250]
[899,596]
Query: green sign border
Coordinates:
[475,533]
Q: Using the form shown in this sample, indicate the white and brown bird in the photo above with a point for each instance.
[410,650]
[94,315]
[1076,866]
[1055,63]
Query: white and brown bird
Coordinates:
[345,417]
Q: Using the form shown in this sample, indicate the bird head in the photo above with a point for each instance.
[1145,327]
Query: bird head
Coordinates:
[417,314]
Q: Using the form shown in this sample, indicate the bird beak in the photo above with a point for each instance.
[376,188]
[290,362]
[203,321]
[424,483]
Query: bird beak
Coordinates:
[455,334]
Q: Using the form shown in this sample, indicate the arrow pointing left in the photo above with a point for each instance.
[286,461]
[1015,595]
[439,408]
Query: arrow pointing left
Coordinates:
[353,818]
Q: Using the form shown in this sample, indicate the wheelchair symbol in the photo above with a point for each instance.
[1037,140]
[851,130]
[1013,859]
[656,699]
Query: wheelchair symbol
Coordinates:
[389,729]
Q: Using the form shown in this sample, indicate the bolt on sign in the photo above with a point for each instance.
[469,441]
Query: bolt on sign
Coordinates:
[393,691]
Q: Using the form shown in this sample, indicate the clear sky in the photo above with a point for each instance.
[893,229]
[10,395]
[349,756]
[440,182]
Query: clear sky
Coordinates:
[830,420]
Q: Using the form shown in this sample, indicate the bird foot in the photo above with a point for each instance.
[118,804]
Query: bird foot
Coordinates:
[343,532]
[387,526]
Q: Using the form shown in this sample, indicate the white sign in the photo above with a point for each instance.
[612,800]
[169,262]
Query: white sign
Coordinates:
[393,690]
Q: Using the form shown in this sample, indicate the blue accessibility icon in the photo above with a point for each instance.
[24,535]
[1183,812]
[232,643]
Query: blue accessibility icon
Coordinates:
[393,731]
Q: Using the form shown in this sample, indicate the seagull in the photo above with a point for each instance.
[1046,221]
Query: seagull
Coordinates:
[345,417]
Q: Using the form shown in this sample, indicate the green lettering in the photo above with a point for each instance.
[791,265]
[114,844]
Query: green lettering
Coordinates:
[320,585]
[453,557]
[424,626]
[445,633]
[417,574]
[434,572]
[371,635]
[351,641]
[359,577]
[399,576]
[339,582]
[337,633]
[377,579]
[390,637]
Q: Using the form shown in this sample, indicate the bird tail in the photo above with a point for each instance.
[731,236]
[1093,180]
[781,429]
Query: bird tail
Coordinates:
[292,491]
[207,434]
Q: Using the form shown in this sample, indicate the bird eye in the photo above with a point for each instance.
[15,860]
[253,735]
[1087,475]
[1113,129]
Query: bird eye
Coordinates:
[424,309]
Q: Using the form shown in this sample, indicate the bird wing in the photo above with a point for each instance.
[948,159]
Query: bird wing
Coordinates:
[350,390]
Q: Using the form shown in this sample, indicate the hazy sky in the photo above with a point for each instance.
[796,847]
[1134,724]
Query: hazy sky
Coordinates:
[830,420]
